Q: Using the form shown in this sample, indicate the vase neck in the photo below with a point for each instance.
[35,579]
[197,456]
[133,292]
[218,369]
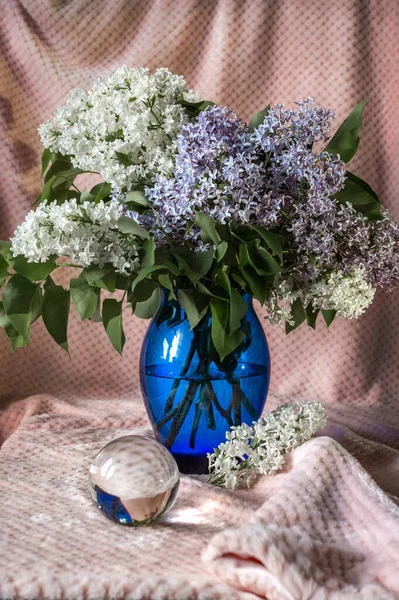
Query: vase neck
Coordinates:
[165,301]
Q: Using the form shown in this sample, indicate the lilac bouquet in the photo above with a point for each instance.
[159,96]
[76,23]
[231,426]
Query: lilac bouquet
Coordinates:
[200,204]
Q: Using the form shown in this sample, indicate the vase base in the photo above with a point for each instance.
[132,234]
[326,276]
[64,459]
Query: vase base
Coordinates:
[192,465]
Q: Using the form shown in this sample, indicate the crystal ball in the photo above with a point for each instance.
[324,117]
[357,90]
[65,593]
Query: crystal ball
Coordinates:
[134,480]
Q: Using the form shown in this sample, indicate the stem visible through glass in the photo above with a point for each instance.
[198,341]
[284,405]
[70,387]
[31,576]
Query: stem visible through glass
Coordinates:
[201,391]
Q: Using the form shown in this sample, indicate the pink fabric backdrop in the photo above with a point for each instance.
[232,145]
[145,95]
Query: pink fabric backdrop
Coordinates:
[244,54]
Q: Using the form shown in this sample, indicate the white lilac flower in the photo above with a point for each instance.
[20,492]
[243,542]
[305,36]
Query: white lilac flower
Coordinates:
[349,294]
[261,449]
[131,112]
[87,233]
[279,303]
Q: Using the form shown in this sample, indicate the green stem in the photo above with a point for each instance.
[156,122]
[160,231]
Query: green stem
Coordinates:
[199,408]
[181,415]
[69,265]
[236,401]
[208,406]
[224,412]
[248,406]
[183,372]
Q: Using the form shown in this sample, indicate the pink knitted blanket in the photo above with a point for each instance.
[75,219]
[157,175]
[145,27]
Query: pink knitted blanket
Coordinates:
[321,529]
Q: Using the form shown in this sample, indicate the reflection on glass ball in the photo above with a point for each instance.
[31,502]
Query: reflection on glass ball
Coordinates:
[134,480]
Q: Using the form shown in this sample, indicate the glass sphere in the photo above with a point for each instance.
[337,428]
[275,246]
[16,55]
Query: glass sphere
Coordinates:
[134,480]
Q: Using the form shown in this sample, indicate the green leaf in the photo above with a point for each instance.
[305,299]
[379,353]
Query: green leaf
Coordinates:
[262,261]
[194,108]
[46,193]
[224,343]
[101,188]
[144,291]
[86,196]
[55,313]
[273,240]
[49,281]
[194,265]
[129,226]
[244,233]
[241,282]
[112,320]
[64,177]
[36,306]
[102,277]
[208,233]
[361,195]
[5,249]
[3,267]
[122,281]
[163,258]
[166,282]
[195,305]
[85,297]
[298,314]
[137,197]
[100,191]
[243,255]
[346,140]
[19,300]
[97,318]
[221,250]
[200,104]
[328,316]
[60,165]
[258,118]
[238,310]
[17,341]
[311,315]
[46,157]
[145,271]
[258,284]
[147,308]
[204,290]
[222,279]
[31,270]
[124,159]
[149,247]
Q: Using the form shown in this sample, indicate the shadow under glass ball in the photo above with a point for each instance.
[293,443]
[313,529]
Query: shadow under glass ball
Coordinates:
[134,480]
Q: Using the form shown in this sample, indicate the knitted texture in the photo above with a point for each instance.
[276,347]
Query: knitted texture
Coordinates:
[321,529]
[245,55]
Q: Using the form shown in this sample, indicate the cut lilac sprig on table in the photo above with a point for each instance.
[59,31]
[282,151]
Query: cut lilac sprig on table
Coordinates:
[260,449]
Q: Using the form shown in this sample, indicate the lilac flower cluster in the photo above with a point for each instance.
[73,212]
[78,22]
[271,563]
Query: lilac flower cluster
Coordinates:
[272,177]
[381,261]
[217,173]
[285,128]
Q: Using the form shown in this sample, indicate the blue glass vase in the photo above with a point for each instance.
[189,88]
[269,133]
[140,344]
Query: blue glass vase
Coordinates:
[191,397]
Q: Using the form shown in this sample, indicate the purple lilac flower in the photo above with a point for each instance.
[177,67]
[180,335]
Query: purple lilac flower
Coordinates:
[216,172]
[285,128]
[381,260]
[271,177]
